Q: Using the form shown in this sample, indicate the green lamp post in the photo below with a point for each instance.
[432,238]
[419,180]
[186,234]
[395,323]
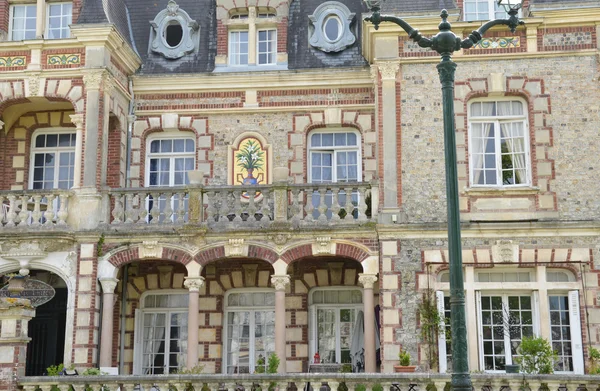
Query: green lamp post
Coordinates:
[445,43]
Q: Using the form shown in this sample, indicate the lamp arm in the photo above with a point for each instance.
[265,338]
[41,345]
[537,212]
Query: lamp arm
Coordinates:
[477,35]
[413,33]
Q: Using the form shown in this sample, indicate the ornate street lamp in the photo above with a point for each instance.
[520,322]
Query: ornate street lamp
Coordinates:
[445,43]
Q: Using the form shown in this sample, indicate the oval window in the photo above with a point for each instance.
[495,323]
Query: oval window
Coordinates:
[332,28]
[173,34]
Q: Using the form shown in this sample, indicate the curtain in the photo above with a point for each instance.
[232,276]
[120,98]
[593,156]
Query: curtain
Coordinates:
[154,340]
[514,135]
[479,137]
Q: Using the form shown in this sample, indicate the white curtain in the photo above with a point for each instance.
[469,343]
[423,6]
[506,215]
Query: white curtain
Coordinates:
[514,135]
[479,136]
[154,338]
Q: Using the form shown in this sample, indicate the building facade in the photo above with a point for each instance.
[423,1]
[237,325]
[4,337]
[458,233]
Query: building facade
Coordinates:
[204,183]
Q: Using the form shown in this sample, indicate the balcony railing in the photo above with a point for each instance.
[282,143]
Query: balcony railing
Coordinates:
[34,208]
[245,206]
[305,382]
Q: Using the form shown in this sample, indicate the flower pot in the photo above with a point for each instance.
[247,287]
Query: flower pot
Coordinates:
[404,369]
[513,368]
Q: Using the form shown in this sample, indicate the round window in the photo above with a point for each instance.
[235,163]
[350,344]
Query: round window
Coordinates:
[332,28]
[173,34]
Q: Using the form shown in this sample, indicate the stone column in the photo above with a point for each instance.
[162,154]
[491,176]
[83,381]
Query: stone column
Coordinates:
[40,19]
[367,281]
[15,314]
[193,284]
[106,337]
[252,55]
[280,282]
[77,120]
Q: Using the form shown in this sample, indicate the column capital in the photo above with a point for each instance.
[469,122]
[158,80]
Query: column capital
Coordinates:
[77,120]
[194,283]
[388,69]
[367,280]
[280,281]
[93,79]
[108,284]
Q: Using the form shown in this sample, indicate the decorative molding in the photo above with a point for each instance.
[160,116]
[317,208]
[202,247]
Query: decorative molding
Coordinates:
[279,282]
[323,13]
[193,284]
[150,249]
[64,59]
[171,16]
[323,246]
[92,80]
[108,284]
[23,253]
[236,248]
[388,69]
[33,83]
[13,61]
[280,238]
[498,43]
[109,84]
[77,120]
[367,280]
[69,264]
[504,251]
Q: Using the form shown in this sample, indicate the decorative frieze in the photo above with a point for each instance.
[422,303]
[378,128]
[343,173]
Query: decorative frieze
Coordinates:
[150,249]
[498,43]
[13,61]
[64,59]
[236,248]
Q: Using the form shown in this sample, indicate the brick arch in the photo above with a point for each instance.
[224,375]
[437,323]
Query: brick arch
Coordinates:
[255,251]
[129,254]
[346,250]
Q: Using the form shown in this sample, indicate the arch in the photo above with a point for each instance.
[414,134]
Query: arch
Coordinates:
[246,250]
[346,249]
[237,144]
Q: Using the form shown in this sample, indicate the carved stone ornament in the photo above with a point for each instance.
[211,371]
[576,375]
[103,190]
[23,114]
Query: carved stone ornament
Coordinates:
[367,280]
[388,69]
[330,27]
[108,284]
[34,85]
[193,284]
[279,282]
[92,80]
[68,265]
[504,251]
[23,253]
[235,248]
[150,249]
[280,238]
[323,245]
[174,34]
[77,120]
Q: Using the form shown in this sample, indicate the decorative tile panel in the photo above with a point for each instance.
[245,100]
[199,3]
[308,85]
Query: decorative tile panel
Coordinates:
[12,61]
[64,59]
[498,43]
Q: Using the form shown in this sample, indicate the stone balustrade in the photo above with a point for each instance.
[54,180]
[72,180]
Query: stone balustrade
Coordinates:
[34,208]
[304,381]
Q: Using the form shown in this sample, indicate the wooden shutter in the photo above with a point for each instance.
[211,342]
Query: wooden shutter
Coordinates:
[442,359]
[479,330]
[138,348]
[576,342]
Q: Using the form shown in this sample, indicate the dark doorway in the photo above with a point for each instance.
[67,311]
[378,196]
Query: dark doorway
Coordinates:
[47,333]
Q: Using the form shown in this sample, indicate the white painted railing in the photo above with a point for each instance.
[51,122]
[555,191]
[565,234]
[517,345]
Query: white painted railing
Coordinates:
[305,382]
[34,208]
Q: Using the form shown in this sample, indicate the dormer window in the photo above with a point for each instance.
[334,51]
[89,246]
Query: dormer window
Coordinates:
[174,34]
[258,47]
[330,27]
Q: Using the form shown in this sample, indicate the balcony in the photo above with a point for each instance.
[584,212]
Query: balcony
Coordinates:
[215,207]
[303,381]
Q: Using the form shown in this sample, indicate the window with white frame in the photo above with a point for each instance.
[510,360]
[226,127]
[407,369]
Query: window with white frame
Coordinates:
[249,330]
[334,157]
[161,333]
[499,144]
[22,21]
[58,18]
[266,46]
[483,10]
[259,49]
[52,159]
[238,48]
[333,313]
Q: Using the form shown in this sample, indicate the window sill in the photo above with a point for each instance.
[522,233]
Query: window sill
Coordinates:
[250,68]
[491,191]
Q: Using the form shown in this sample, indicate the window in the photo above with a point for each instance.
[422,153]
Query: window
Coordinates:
[483,10]
[334,157]
[444,333]
[260,48]
[331,27]
[22,22]
[53,160]
[161,333]
[238,48]
[503,277]
[59,19]
[333,317]
[267,47]
[250,330]
[498,144]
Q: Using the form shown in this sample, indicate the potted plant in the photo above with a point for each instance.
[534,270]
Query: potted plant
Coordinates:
[536,356]
[404,358]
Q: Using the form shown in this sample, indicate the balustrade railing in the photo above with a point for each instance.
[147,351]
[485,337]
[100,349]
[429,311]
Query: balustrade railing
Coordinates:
[34,208]
[310,382]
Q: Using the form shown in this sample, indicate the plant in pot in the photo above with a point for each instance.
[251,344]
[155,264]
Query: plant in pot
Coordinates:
[404,358]
[536,356]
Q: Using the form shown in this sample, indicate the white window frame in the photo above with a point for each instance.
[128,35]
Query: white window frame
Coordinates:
[11,16]
[498,154]
[492,4]
[575,328]
[230,53]
[312,314]
[139,326]
[171,155]
[273,54]
[334,150]
[227,309]
[47,27]
[34,150]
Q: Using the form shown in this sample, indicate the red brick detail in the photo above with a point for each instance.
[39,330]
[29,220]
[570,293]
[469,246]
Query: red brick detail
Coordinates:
[176,255]
[191,101]
[212,254]
[282,28]
[76,9]
[320,97]
[262,253]
[566,30]
[124,256]
[222,39]
[50,52]
[114,175]
[26,53]
[4,16]
[350,251]
[298,252]
[522,34]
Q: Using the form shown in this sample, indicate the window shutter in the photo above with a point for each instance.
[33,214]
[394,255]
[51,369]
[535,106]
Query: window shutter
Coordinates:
[137,343]
[535,308]
[479,330]
[442,333]
[575,322]
[311,334]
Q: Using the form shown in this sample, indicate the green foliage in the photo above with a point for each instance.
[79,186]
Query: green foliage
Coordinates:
[273,363]
[196,370]
[93,372]
[404,358]
[54,370]
[271,367]
[260,364]
[431,321]
[250,156]
[594,361]
[536,356]
[100,245]
[346,368]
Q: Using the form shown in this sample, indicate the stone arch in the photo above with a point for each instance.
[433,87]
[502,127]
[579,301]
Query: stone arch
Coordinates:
[25,90]
[236,250]
[344,249]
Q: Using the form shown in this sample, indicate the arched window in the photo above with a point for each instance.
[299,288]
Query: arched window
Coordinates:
[169,160]
[499,143]
[52,159]
[334,156]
